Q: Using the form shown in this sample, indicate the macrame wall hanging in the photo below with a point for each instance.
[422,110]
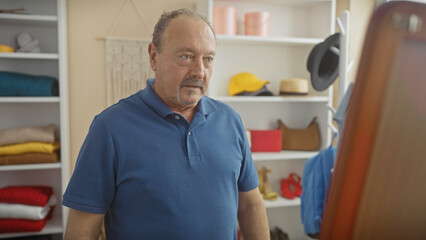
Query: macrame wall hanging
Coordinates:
[127,62]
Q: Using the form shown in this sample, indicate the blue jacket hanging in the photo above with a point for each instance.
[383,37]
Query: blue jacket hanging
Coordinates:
[316,180]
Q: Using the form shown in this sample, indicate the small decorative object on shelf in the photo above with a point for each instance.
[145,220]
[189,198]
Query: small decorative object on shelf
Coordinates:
[257,23]
[27,43]
[225,20]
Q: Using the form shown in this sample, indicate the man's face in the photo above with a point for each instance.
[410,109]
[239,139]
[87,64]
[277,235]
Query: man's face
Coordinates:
[184,66]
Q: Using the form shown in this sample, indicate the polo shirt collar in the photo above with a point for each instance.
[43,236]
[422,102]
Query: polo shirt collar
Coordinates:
[148,95]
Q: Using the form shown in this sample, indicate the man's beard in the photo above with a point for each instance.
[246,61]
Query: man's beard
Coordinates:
[190,81]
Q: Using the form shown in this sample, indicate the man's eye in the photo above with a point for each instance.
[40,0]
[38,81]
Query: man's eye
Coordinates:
[186,57]
[208,59]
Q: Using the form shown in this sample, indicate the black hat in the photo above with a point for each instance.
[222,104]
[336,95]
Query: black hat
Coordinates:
[323,64]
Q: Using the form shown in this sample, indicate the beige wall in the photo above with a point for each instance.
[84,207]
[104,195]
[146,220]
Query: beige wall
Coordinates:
[88,20]
[360,13]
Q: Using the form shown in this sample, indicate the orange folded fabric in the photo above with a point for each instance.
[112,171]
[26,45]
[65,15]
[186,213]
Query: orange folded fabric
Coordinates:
[29,158]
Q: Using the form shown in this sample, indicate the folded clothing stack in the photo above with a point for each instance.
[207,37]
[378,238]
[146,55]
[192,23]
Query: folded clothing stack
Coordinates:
[25,208]
[20,84]
[29,145]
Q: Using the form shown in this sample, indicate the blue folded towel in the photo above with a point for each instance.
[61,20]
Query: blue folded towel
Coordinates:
[19,84]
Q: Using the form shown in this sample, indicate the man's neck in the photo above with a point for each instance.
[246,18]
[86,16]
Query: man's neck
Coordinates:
[187,112]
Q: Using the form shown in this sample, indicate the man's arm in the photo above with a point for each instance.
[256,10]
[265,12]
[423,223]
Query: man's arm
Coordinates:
[83,226]
[252,216]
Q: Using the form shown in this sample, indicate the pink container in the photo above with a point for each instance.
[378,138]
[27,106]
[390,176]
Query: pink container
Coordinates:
[225,20]
[257,23]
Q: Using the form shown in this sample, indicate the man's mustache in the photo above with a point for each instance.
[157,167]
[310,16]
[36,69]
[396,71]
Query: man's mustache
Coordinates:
[192,81]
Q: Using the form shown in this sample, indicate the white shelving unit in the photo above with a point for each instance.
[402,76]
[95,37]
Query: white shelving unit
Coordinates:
[46,20]
[296,26]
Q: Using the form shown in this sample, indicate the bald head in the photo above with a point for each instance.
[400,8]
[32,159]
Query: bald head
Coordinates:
[167,17]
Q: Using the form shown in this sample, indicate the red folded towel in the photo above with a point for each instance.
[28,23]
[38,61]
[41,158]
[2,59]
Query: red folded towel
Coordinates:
[29,195]
[21,225]
[24,225]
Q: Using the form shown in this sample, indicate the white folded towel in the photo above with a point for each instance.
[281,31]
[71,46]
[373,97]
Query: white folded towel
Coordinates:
[22,211]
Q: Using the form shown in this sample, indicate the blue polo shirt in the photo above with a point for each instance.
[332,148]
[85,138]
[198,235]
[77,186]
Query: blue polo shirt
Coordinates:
[157,177]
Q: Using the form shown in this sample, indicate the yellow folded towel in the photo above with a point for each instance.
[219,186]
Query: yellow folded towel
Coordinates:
[28,147]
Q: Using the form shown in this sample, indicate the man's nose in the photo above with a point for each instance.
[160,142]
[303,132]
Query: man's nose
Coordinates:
[198,69]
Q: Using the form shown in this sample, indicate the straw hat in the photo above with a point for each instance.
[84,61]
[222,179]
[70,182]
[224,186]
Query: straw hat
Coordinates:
[294,86]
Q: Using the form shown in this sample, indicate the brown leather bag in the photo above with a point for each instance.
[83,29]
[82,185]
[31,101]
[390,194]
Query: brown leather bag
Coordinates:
[307,139]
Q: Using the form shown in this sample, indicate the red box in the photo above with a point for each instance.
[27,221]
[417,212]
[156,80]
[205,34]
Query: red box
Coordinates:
[265,140]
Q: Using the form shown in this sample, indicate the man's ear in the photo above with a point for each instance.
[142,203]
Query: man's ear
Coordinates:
[153,54]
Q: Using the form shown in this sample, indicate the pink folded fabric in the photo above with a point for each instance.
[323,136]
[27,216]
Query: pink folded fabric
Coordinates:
[29,195]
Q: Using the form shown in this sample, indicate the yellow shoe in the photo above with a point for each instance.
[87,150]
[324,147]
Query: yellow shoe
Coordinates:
[264,186]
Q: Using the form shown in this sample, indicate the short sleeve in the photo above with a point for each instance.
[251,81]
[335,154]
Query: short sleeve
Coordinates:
[92,184]
[248,179]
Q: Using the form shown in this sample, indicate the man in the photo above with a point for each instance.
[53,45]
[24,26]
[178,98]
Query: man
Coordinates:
[168,162]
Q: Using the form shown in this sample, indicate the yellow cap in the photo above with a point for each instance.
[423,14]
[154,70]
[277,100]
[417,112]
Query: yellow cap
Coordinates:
[4,48]
[245,82]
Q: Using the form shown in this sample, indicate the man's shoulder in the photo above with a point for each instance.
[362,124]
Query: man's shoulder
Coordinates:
[219,105]
[122,107]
